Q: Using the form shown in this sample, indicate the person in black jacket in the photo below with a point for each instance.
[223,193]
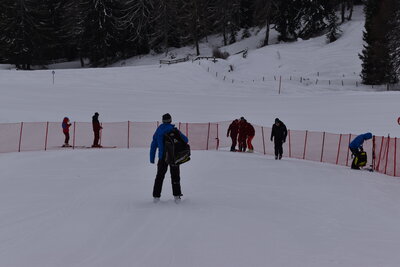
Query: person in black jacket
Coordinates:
[96,130]
[278,134]
[233,131]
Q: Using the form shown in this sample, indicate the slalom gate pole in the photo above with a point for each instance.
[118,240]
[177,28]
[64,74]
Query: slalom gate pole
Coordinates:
[20,137]
[338,150]
[47,133]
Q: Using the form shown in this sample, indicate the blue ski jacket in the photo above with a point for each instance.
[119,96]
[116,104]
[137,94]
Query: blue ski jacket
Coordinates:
[158,140]
[359,140]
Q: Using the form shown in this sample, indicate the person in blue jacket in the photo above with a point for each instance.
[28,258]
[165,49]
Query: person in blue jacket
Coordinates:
[356,146]
[162,165]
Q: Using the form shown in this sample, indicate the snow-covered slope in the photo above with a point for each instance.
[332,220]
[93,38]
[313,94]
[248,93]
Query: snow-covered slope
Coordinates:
[94,208]
[197,93]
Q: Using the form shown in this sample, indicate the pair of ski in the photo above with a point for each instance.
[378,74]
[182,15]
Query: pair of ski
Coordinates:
[88,147]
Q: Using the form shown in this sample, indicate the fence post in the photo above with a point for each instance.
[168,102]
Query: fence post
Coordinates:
[20,137]
[280,84]
[387,154]
[217,136]
[323,145]
[129,126]
[305,145]
[395,156]
[373,152]
[290,144]
[73,137]
[338,150]
[47,133]
[348,151]
[380,154]
[262,131]
[208,134]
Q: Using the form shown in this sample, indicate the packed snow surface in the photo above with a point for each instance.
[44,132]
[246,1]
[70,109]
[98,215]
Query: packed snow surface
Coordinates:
[94,208]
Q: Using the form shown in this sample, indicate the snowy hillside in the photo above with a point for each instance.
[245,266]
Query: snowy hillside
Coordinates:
[197,93]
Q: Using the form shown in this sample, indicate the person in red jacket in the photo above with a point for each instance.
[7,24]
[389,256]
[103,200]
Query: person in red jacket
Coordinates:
[96,130]
[242,135]
[65,126]
[233,131]
[250,135]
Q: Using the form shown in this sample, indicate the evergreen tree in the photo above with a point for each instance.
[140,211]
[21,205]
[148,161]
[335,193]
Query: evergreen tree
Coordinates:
[165,25]
[99,31]
[226,17]
[262,17]
[288,19]
[313,17]
[394,44]
[333,27]
[20,37]
[377,63]
[135,26]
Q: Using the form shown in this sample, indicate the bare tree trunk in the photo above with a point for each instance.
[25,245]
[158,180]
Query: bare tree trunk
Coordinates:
[351,8]
[343,11]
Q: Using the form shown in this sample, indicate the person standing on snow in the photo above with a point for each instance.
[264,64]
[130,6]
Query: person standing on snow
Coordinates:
[96,130]
[278,135]
[356,146]
[250,135]
[162,165]
[242,134]
[233,131]
[65,126]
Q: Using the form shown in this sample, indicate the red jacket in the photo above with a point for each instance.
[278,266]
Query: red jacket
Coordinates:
[66,125]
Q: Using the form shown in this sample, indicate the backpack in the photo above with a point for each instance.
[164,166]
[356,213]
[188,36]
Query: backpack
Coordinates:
[361,159]
[177,151]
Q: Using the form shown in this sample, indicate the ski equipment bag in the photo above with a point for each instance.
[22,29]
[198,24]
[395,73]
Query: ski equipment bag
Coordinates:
[177,151]
[361,159]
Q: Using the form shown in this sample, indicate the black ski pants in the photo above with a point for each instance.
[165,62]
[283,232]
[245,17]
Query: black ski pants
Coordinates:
[66,141]
[234,142]
[278,147]
[96,138]
[162,168]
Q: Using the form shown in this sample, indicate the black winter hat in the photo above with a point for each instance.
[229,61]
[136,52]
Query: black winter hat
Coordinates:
[277,120]
[166,118]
